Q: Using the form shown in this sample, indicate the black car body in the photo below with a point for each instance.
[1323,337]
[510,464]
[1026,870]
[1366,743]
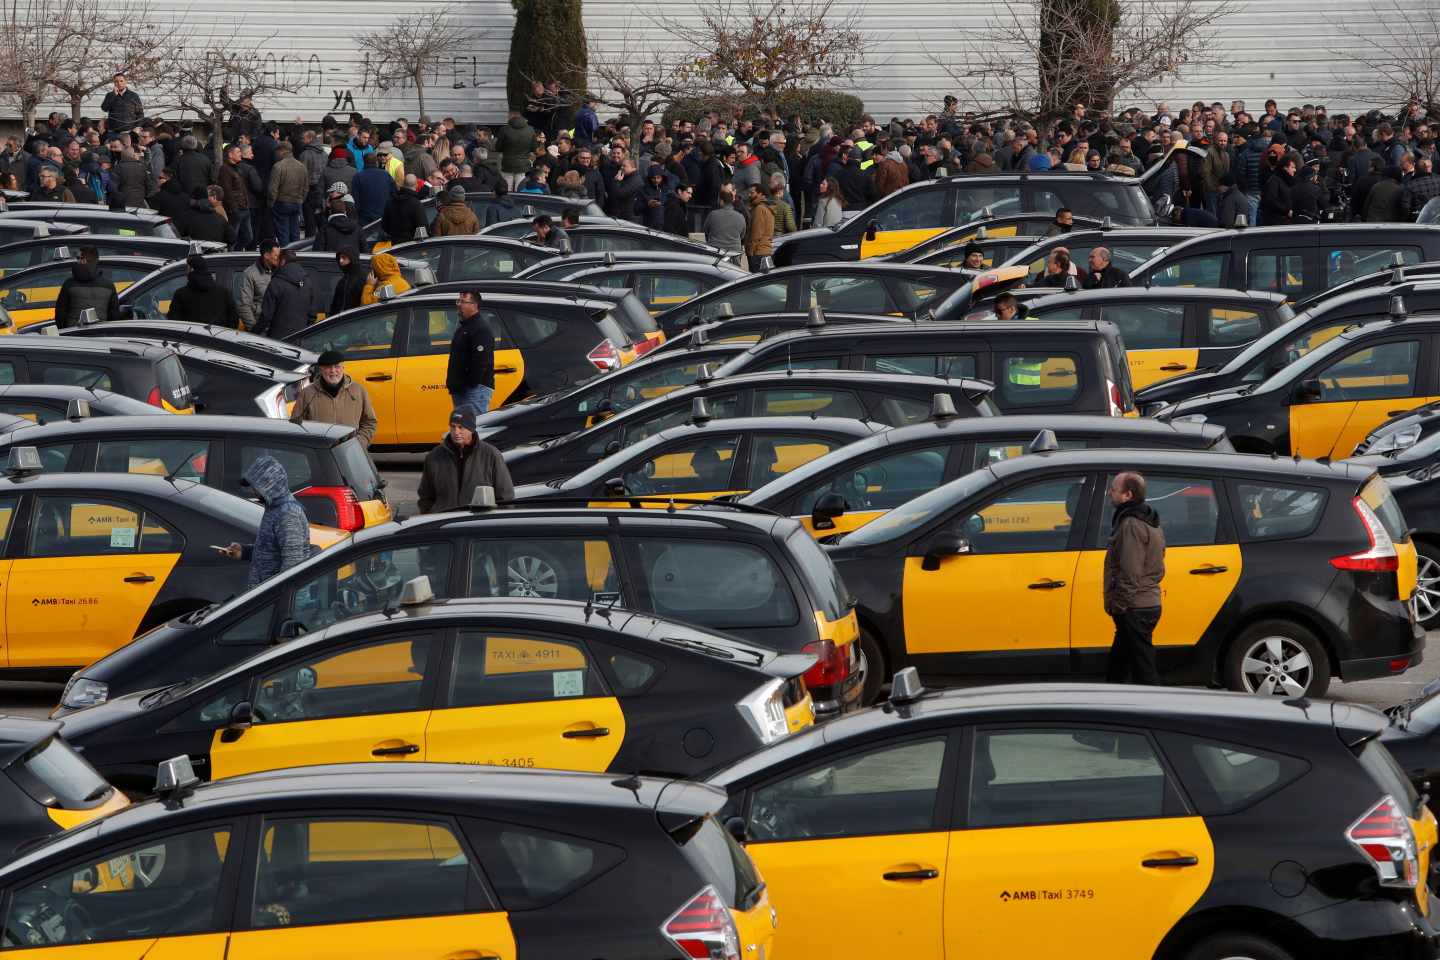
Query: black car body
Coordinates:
[629,238]
[17,229]
[143,371]
[223,383]
[523,228]
[473,257]
[96,218]
[744,331]
[46,403]
[33,252]
[561,268]
[1128,247]
[1012,230]
[28,296]
[238,343]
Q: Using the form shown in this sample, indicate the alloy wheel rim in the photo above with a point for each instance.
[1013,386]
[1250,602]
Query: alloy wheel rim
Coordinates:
[1427,588]
[532,577]
[1276,667]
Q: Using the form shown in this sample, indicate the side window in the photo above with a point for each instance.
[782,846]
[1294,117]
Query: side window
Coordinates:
[1032,518]
[154,303]
[783,362]
[885,790]
[800,403]
[1381,372]
[369,584]
[55,457]
[383,677]
[183,458]
[529,329]
[333,870]
[1277,272]
[924,364]
[1232,326]
[1222,778]
[75,376]
[765,297]
[1189,512]
[1036,380]
[7,514]
[914,294]
[720,407]
[371,337]
[431,328]
[915,210]
[485,264]
[253,629]
[650,381]
[1275,512]
[1343,264]
[491,670]
[1148,326]
[974,200]
[899,411]
[866,294]
[297,462]
[883,483]
[1202,270]
[715,583]
[996,451]
[662,292]
[1064,776]
[551,569]
[699,465]
[1302,344]
[7,373]
[69,527]
[165,886]
[1045,201]
[31,410]
[774,455]
[530,868]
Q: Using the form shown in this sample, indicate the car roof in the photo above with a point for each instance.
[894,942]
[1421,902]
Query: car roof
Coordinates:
[326,434]
[62,392]
[111,259]
[1026,328]
[1162,459]
[95,345]
[91,210]
[967,385]
[1291,231]
[471,239]
[160,327]
[1157,293]
[206,354]
[137,484]
[562,289]
[425,295]
[715,268]
[83,237]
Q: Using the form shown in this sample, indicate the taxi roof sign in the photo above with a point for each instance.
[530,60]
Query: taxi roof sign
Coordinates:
[942,407]
[416,591]
[175,778]
[1044,442]
[77,409]
[699,411]
[906,687]
[483,498]
[23,461]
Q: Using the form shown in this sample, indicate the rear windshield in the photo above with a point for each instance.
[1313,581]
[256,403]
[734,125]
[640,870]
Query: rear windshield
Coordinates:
[721,584]
[821,577]
[1377,496]
[56,776]
[174,385]
[720,860]
[633,318]
[356,468]
[1383,768]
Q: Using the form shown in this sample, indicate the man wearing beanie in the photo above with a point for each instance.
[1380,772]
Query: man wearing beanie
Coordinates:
[1232,203]
[455,217]
[459,464]
[202,300]
[333,397]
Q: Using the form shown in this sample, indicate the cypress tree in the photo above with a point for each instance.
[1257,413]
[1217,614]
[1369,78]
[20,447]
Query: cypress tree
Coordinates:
[548,44]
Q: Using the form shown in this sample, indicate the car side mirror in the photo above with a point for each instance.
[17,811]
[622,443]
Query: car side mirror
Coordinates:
[944,544]
[242,717]
[871,229]
[612,447]
[827,508]
[290,628]
[615,487]
[1307,391]
[736,827]
[605,406]
[127,311]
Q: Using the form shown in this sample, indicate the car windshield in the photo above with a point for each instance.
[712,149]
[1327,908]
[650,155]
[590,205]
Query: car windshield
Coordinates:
[909,517]
[799,478]
[1246,358]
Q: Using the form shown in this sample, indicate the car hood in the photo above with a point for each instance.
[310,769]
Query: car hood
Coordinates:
[1179,388]
[1205,401]
[167,654]
[84,727]
[800,236]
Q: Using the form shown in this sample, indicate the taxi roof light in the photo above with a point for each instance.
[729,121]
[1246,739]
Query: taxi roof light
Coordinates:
[1241,221]
[175,779]
[610,258]
[416,592]
[906,687]
[387,292]
[1071,284]
[483,498]
[89,317]
[981,234]
[1107,224]
[700,411]
[77,409]
[423,273]
[942,407]
[706,373]
[421,233]
[700,336]
[62,252]
[1044,442]
[23,461]
[816,317]
[1397,309]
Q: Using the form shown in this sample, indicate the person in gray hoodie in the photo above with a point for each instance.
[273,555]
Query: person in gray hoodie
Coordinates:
[283,539]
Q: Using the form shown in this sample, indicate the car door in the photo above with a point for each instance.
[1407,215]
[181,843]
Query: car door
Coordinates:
[1333,408]
[1070,835]
[368,343]
[861,835]
[908,218]
[701,467]
[8,508]
[1014,580]
[370,886]
[1293,271]
[1223,332]
[421,399]
[82,583]
[34,302]
[365,700]
[873,486]
[1202,567]
[1156,344]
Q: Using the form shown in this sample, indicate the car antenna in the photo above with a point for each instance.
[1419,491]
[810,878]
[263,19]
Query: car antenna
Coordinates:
[633,783]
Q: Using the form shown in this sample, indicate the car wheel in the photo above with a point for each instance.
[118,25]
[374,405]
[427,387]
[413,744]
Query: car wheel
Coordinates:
[1277,658]
[1427,585]
[532,573]
[872,664]
[1237,946]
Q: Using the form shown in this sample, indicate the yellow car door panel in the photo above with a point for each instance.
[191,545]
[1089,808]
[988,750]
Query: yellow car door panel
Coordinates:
[1356,392]
[200,946]
[894,241]
[1198,581]
[1152,366]
[1012,602]
[481,936]
[378,378]
[302,743]
[1315,427]
[1366,416]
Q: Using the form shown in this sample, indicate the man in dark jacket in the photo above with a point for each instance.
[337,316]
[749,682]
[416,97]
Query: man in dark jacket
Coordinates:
[622,192]
[1134,567]
[351,286]
[287,305]
[193,168]
[338,230]
[515,141]
[334,397]
[87,288]
[1385,202]
[470,374]
[1104,275]
[129,180]
[1308,197]
[122,107]
[372,189]
[203,221]
[202,300]
[233,180]
[459,464]
[1232,203]
[170,200]
[677,210]
[404,214]
[283,539]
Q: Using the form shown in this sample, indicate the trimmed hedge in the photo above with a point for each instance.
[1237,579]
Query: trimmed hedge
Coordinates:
[841,110]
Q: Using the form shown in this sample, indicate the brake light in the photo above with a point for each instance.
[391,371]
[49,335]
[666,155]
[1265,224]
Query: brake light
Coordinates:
[153,398]
[831,666]
[1381,557]
[348,515]
[605,356]
[1384,836]
[704,929]
[644,345]
[1117,403]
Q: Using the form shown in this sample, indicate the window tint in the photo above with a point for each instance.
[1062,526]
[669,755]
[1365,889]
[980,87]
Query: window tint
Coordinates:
[630,672]
[996,451]
[1275,512]
[369,583]
[765,297]
[492,670]
[883,483]
[250,630]
[374,679]
[370,337]
[7,374]
[55,457]
[851,294]
[1028,381]
[1189,512]
[472,264]
[885,790]
[530,329]
[432,327]
[70,527]
[653,379]
[1223,778]
[1203,270]
[154,303]
[76,376]
[1035,517]
[774,455]
[332,870]
[1381,372]
[1232,326]
[915,210]
[975,199]
[715,583]
[179,457]
[1148,326]
[1064,776]
[799,403]
[914,294]
[1277,272]
[29,409]
[784,362]
[899,411]
[549,569]
[701,465]
[1345,263]
[297,462]
[530,868]
[662,292]
[924,365]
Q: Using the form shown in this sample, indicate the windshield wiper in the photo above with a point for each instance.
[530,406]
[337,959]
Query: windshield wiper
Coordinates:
[713,650]
[199,614]
[555,484]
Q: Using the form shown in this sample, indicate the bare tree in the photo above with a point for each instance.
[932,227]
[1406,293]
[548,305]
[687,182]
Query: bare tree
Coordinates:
[634,76]
[34,35]
[1039,57]
[1396,62]
[761,47]
[413,46]
[118,38]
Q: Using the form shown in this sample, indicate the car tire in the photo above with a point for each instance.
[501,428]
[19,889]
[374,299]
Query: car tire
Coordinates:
[873,657]
[1427,595]
[1237,946]
[1270,652]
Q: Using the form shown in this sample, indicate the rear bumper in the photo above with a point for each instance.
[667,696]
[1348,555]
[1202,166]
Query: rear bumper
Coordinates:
[1374,931]
[1404,637]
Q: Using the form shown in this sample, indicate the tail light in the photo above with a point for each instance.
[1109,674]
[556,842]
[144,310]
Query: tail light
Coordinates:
[764,710]
[348,515]
[831,666]
[644,345]
[605,356]
[1381,557]
[704,929]
[153,398]
[1383,835]
[1117,403]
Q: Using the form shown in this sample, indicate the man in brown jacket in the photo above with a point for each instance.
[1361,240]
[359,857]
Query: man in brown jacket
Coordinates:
[760,234]
[289,182]
[1134,567]
[333,397]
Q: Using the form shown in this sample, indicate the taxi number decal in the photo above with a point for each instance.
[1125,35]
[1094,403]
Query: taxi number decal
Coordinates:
[1067,893]
[513,655]
[507,762]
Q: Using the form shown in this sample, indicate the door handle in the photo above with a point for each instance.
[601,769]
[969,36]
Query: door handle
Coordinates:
[1174,366]
[472,955]
[1208,570]
[506,369]
[1396,413]
[924,874]
[139,578]
[403,750]
[378,378]
[586,733]
[1156,862]
[1047,585]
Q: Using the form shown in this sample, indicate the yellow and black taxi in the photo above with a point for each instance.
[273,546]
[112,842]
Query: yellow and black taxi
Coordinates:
[1173,330]
[473,257]
[92,559]
[1054,820]
[395,862]
[1298,260]
[46,403]
[222,383]
[528,683]
[1129,247]
[562,268]
[1279,574]
[95,218]
[37,250]
[29,296]
[325,463]
[891,399]
[747,573]
[756,327]
[1039,366]
[1326,402]
[399,349]
[1313,325]
[995,235]
[45,786]
[238,343]
[150,372]
[661,286]
[895,289]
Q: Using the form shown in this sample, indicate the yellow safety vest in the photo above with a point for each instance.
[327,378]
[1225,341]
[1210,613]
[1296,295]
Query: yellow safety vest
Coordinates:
[396,168]
[1025,373]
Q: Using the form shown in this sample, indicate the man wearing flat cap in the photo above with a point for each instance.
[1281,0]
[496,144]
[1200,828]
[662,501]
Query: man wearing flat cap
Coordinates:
[460,463]
[333,397]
